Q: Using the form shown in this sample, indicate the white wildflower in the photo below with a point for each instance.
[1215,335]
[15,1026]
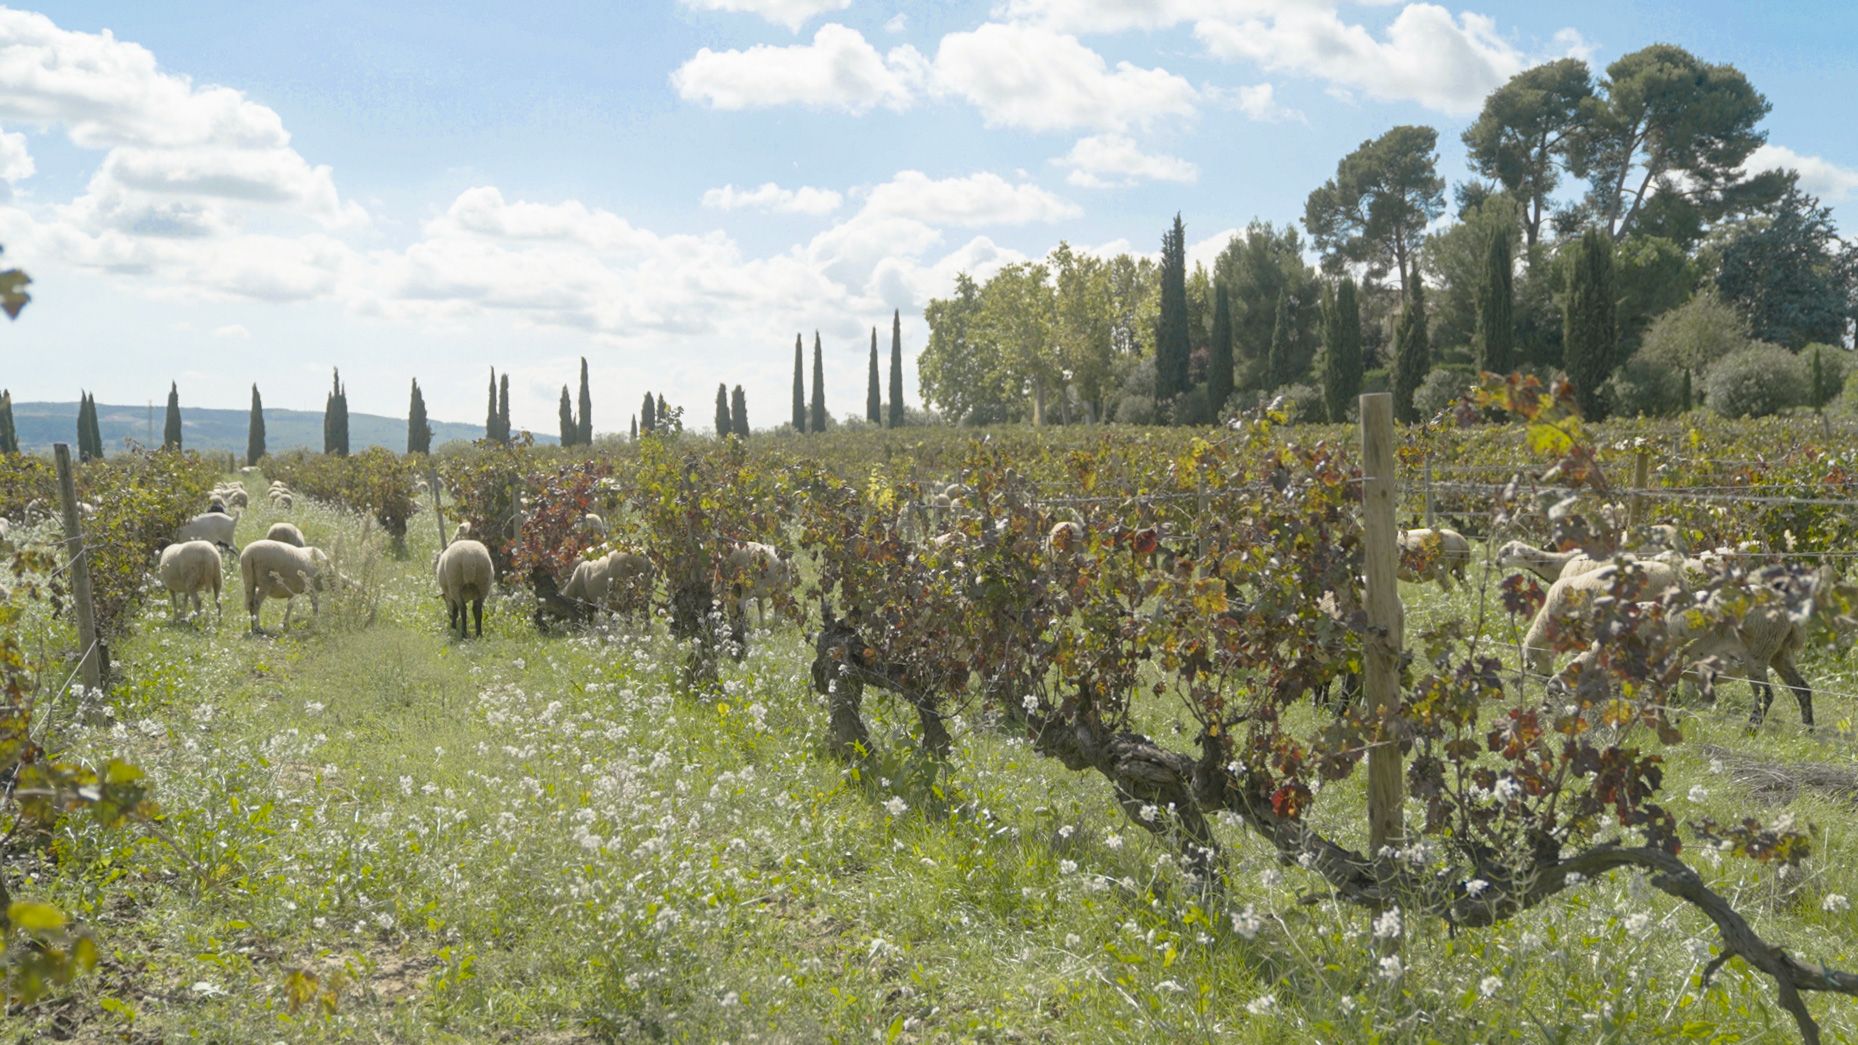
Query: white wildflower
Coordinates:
[1263,1005]
[1067,867]
[1476,886]
[1637,921]
[1030,703]
[896,805]
[1835,903]
[1247,923]
[1698,792]
[1113,841]
[1489,985]
[1387,924]
[1066,831]
[1391,969]
[1148,813]
[1073,940]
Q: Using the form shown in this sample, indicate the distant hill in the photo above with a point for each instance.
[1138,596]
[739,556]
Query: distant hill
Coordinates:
[42,424]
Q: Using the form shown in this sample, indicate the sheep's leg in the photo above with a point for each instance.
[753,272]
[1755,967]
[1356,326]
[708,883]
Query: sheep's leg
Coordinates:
[1802,692]
[1763,691]
[761,616]
[174,605]
[477,613]
[290,603]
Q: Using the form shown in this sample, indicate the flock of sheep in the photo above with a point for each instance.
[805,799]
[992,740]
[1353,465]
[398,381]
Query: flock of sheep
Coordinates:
[1747,636]
[281,566]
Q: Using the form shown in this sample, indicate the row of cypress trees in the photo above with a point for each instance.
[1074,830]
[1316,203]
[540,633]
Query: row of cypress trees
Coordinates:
[811,416]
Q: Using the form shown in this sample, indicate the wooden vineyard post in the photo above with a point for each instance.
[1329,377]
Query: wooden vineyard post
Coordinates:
[90,663]
[1641,475]
[1429,522]
[1386,627]
[438,513]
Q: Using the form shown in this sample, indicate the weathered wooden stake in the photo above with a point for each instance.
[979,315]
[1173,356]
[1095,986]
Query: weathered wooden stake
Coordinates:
[91,668]
[1429,523]
[1386,625]
[438,513]
[1641,475]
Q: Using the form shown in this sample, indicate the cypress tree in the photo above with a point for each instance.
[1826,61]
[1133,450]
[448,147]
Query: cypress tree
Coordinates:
[1278,363]
[1341,349]
[1496,325]
[83,426]
[171,433]
[724,425]
[738,412]
[818,421]
[896,368]
[1589,323]
[648,415]
[9,436]
[335,419]
[1171,337]
[570,429]
[94,430]
[1219,367]
[662,420]
[873,396]
[1412,352]
[503,407]
[255,430]
[490,417]
[584,426]
[1687,393]
[799,385]
[635,428]
[418,429]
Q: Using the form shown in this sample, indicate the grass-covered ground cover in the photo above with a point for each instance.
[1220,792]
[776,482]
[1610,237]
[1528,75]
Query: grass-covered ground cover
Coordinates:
[374,831]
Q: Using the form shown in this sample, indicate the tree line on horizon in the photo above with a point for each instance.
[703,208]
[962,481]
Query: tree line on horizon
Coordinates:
[1673,278]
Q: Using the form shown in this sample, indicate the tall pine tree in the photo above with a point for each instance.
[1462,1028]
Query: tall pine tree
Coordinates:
[817,421]
[1280,362]
[171,432]
[491,415]
[635,428]
[1412,351]
[896,368]
[738,412]
[723,423]
[1496,323]
[799,384]
[873,396]
[662,419]
[503,407]
[418,429]
[584,425]
[1341,350]
[1589,322]
[83,426]
[570,430]
[648,415]
[255,429]
[9,436]
[1171,336]
[1219,365]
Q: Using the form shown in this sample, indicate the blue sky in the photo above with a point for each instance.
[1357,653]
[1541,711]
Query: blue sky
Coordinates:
[221,193]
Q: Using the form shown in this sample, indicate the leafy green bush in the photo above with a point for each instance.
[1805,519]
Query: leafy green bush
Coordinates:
[142,497]
[1441,388]
[375,482]
[1757,381]
[1645,387]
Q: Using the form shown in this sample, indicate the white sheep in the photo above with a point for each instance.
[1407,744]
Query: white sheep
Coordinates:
[186,570]
[1434,555]
[755,571]
[591,525]
[466,575]
[275,570]
[462,531]
[212,527]
[286,533]
[281,499]
[619,580]
[1552,566]
[1567,596]
[1065,539]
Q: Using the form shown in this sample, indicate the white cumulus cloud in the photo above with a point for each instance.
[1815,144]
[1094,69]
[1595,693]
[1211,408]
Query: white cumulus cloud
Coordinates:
[1116,16]
[15,159]
[234,331]
[1425,56]
[838,70]
[791,13]
[977,199]
[1819,176]
[1032,78]
[771,197]
[1115,161]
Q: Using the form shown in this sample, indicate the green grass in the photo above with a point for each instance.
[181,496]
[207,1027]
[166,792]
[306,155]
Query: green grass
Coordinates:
[536,838]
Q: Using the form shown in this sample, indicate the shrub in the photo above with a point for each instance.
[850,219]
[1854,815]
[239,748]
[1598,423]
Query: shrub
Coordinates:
[1757,381]
[1645,387]
[1441,388]
[1303,404]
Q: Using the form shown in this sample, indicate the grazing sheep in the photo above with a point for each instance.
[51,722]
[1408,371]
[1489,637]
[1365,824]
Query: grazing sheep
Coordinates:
[282,500]
[756,571]
[212,527]
[1066,538]
[1434,555]
[465,574]
[592,525]
[619,581]
[286,533]
[236,498]
[1552,566]
[1567,595]
[462,531]
[186,570]
[274,570]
